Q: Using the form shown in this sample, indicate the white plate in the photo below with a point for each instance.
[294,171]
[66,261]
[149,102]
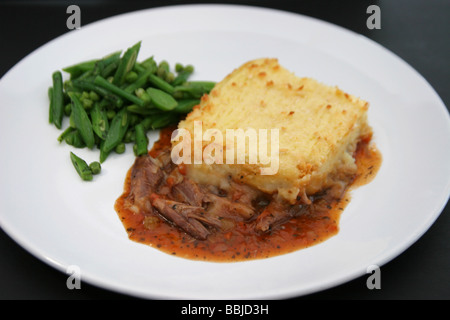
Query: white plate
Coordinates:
[58,218]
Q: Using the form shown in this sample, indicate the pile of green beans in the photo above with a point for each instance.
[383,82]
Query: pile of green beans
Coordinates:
[116,100]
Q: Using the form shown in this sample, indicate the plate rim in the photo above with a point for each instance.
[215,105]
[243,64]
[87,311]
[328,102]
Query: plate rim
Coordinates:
[40,253]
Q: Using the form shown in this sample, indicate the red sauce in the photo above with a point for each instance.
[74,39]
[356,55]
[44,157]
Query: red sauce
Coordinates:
[164,140]
[242,242]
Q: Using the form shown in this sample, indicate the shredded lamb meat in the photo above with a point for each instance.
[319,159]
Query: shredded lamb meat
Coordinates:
[158,187]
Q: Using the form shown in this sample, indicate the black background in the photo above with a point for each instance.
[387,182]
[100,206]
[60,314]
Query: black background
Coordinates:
[416,30]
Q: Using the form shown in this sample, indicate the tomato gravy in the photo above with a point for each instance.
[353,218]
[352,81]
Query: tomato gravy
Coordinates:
[319,223]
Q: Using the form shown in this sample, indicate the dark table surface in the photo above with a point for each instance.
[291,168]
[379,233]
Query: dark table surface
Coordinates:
[416,30]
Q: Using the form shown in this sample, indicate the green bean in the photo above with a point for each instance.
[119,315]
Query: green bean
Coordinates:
[74,139]
[147,123]
[88,75]
[147,65]
[126,63]
[68,109]
[57,102]
[72,121]
[116,132]
[109,69]
[102,82]
[143,95]
[150,64]
[185,105]
[139,68]
[144,111]
[103,153]
[116,100]
[195,89]
[183,76]
[160,83]
[141,140]
[63,135]
[91,86]
[68,86]
[129,136]
[107,65]
[134,119]
[50,111]
[164,120]
[82,121]
[80,68]
[98,141]
[161,99]
[105,104]
[100,123]
[82,167]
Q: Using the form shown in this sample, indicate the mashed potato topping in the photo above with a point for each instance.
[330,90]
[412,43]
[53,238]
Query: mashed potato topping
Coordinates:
[319,127]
